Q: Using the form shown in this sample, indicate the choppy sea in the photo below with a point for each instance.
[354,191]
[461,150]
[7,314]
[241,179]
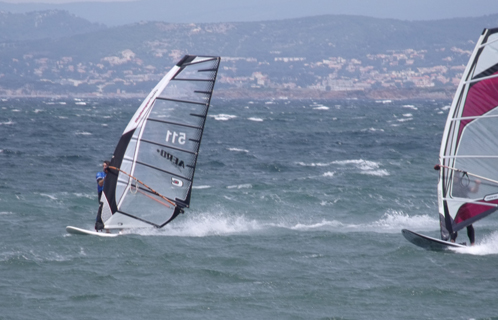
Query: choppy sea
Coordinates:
[296,213]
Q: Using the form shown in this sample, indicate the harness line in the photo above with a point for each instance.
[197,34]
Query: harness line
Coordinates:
[151,190]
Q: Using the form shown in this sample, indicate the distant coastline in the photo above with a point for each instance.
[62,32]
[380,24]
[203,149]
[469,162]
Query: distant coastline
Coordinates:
[445,93]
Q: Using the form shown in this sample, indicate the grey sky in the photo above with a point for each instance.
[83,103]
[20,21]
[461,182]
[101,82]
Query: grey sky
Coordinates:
[113,12]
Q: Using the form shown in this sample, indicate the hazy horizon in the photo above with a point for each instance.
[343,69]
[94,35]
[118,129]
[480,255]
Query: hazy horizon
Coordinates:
[114,12]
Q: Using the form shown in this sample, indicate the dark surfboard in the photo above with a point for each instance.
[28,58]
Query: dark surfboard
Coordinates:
[429,243]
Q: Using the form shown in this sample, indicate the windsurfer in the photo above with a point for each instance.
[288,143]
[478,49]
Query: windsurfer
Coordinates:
[99,225]
[460,189]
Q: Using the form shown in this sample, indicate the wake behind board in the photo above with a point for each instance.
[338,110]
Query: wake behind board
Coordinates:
[429,243]
[74,230]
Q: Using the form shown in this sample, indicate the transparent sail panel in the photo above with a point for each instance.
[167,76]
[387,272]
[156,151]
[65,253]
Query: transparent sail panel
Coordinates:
[172,135]
[176,162]
[179,112]
[195,91]
[199,71]
[147,206]
[167,184]
[487,59]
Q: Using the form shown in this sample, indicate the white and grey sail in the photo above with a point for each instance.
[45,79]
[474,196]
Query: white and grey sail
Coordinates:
[159,148]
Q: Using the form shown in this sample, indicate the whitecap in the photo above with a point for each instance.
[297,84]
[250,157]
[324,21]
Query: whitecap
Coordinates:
[203,225]
[201,187]
[321,108]
[48,196]
[394,221]
[410,106]
[223,117]
[255,119]
[83,133]
[403,120]
[379,173]
[329,174]
[407,115]
[238,150]
[80,103]
[488,245]
[240,186]
[446,108]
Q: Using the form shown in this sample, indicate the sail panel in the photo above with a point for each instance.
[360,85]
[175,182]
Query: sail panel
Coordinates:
[189,114]
[195,91]
[165,183]
[173,135]
[177,162]
[487,57]
[150,207]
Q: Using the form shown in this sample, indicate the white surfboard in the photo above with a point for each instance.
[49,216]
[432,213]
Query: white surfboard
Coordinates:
[74,230]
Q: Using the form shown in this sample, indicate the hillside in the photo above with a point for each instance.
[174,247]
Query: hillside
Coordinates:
[328,53]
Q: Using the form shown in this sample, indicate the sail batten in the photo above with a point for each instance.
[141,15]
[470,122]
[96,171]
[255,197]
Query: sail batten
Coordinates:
[180,100]
[468,149]
[157,155]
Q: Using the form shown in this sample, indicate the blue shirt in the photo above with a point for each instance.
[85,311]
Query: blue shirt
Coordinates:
[100,175]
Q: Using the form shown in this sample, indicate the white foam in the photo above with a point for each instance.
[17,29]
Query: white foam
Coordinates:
[378,173]
[203,225]
[238,150]
[83,133]
[488,245]
[407,115]
[48,196]
[446,108]
[329,174]
[240,186]
[223,117]
[403,120]
[394,221]
[321,108]
[410,106]
[7,123]
[201,187]
[255,119]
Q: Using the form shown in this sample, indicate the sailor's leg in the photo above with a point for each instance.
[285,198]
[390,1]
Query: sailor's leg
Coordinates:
[99,225]
[471,234]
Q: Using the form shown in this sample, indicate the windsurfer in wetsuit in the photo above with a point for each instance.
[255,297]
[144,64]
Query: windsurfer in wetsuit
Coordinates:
[462,190]
[99,225]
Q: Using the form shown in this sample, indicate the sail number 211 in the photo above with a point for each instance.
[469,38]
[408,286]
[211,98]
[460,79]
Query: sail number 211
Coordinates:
[175,137]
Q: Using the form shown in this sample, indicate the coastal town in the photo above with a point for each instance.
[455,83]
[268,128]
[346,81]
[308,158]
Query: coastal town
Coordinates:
[127,74]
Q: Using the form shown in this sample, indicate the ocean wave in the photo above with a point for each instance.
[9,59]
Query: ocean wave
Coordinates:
[83,133]
[405,119]
[203,225]
[201,187]
[255,119]
[240,186]
[488,245]
[223,117]
[329,174]
[238,150]
[394,221]
[410,106]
